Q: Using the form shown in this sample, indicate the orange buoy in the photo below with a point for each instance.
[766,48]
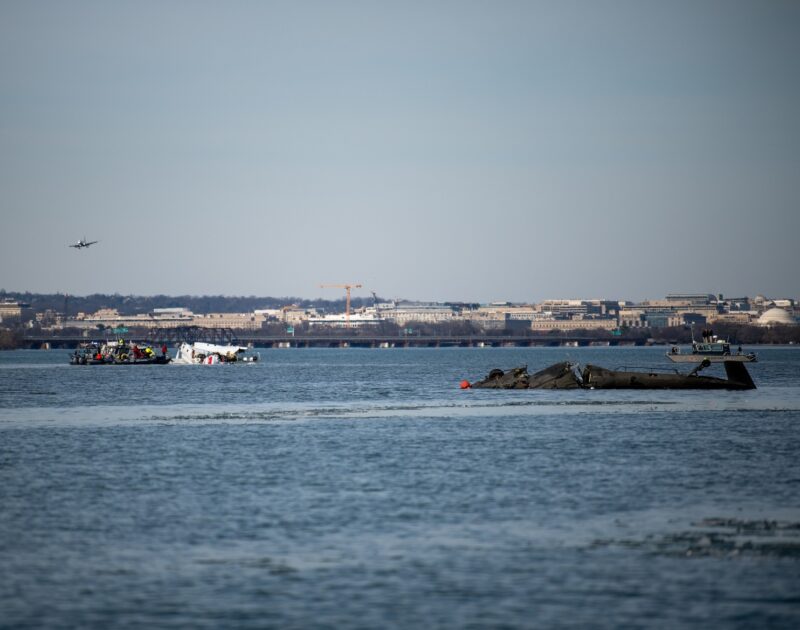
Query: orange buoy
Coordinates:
[465,384]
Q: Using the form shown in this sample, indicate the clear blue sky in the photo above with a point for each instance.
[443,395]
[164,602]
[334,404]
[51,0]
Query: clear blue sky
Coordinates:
[427,150]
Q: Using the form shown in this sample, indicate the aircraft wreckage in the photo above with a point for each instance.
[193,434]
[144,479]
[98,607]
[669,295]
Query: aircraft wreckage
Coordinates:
[566,375]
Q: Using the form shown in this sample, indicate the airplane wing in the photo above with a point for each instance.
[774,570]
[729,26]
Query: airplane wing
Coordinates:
[90,243]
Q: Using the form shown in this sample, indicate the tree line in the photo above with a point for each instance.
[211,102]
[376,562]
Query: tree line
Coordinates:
[141,304]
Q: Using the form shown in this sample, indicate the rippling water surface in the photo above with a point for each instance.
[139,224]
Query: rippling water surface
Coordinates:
[363,488]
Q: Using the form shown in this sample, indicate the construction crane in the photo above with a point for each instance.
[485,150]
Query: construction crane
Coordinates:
[347,287]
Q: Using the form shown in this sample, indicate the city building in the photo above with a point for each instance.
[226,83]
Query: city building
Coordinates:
[678,309]
[13,311]
[775,317]
[663,319]
[598,323]
[340,320]
[235,321]
[632,318]
[401,313]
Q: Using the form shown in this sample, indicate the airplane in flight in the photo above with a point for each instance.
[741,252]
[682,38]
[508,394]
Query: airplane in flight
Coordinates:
[83,243]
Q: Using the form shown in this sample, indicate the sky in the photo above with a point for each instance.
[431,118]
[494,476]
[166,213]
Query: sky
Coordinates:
[434,150]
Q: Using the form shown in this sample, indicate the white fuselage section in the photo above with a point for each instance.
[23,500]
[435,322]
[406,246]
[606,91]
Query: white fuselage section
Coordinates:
[206,353]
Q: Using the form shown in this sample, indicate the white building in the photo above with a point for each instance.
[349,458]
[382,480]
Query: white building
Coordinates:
[340,320]
[401,313]
[776,316]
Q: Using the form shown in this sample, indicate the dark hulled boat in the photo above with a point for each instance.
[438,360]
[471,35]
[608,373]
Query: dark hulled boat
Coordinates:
[117,353]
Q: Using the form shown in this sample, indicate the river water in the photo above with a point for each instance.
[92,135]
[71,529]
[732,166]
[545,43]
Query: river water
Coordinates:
[330,488]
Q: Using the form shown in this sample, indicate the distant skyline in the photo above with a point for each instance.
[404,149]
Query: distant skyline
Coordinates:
[447,151]
[368,299]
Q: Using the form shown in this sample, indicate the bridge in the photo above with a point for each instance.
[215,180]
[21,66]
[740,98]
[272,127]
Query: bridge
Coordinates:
[174,336]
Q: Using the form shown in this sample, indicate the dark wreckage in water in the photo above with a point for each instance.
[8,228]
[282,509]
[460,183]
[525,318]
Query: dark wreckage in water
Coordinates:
[567,375]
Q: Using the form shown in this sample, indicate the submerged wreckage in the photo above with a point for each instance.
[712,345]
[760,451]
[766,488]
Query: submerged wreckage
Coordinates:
[567,375]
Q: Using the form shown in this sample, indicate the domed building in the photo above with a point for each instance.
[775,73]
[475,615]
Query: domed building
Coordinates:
[775,316]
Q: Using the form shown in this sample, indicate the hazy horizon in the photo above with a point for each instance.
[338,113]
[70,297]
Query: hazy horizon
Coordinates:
[446,151]
[357,296]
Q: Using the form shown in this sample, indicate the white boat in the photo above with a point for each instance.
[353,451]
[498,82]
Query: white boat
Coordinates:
[200,353]
[711,348]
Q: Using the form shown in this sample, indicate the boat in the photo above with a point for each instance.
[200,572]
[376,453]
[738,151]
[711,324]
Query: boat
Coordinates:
[711,348]
[566,375]
[200,353]
[118,353]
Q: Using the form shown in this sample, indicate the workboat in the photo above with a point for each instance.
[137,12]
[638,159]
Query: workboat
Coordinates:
[566,375]
[118,353]
[200,353]
[711,348]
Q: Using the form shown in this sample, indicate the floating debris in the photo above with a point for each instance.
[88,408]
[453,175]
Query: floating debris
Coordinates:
[566,375]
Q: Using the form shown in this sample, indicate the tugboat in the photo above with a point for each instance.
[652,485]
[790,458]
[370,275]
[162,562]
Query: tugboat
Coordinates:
[711,348]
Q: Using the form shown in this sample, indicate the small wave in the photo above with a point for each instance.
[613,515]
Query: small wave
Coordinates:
[460,407]
[721,537]
[582,403]
[383,410]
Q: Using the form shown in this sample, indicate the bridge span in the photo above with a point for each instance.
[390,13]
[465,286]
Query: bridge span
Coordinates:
[175,336]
